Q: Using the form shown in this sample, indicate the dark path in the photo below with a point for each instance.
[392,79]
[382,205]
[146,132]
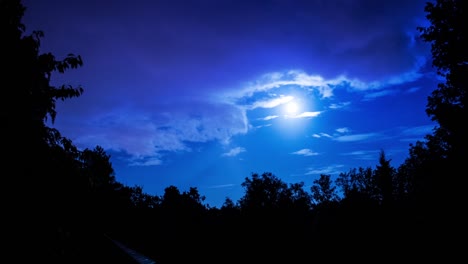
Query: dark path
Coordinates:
[134,255]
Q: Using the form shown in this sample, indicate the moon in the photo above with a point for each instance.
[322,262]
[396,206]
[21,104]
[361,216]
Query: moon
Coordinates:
[291,108]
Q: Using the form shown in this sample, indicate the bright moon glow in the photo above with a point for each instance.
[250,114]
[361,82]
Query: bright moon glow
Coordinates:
[292,108]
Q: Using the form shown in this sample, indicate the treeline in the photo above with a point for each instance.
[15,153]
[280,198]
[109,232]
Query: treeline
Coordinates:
[63,203]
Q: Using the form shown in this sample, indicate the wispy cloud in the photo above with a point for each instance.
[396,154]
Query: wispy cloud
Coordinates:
[270,117]
[381,93]
[342,130]
[342,135]
[299,78]
[417,131]
[355,137]
[414,134]
[271,103]
[304,115]
[319,135]
[293,77]
[314,82]
[234,152]
[152,161]
[339,105]
[305,152]
[364,154]
[260,126]
[221,186]
[413,89]
[333,169]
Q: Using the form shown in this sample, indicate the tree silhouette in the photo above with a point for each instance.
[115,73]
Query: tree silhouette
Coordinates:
[447,104]
[41,164]
[262,193]
[385,174]
[442,191]
[358,185]
[323,190]
[64,193]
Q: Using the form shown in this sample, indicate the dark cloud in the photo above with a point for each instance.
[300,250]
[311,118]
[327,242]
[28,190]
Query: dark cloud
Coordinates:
[365,39]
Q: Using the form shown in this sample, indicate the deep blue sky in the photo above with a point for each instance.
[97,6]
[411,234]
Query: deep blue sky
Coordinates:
[204,93]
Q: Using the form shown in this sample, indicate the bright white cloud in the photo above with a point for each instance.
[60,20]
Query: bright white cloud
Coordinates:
[322,135]
[271,103]
[342,130]
[317,83]
[278,79]
[275,80]
[234,152]
[305,152]
[305,115]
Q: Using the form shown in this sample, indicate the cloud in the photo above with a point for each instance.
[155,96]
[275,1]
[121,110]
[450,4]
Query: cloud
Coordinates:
[414,134]
[293,77]
[413,89]
[333,169]
[381,93]
[361,47]
[304,115]
[234,152]
[147,137]
[355,137]
[260,126]
[342,130]
[315,83]
[418,130]
[322,135]
[339,105]
[364,154]
[275,80]
[152,161]
[221,186]
[305,152]
[270,117]
[348,137]
[271,103]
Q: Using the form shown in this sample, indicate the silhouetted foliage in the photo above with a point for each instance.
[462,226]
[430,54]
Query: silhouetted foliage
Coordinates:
[358,184]
[262,192]
[385,174]
[268,192]
[448,36]
[323,190]
[228,204]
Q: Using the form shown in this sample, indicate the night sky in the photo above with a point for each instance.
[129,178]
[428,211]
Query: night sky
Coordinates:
[205,93]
